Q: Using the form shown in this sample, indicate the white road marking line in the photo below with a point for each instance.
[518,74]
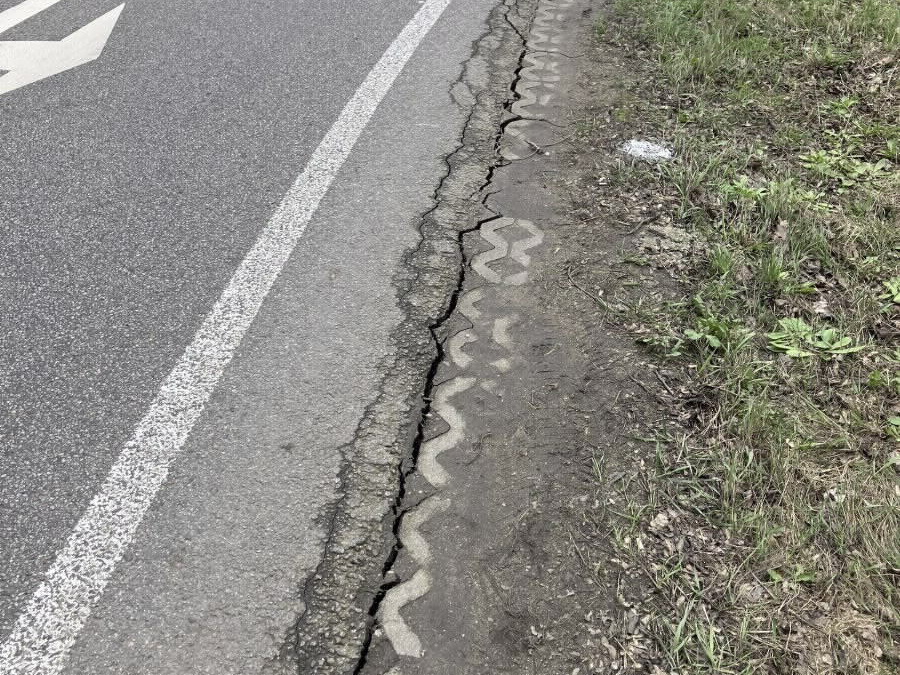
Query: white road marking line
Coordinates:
[49,625]
[22,12]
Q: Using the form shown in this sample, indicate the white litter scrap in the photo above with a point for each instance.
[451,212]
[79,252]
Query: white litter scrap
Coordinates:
[651,152]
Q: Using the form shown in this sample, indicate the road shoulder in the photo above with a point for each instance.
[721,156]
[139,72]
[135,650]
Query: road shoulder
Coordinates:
[505,544]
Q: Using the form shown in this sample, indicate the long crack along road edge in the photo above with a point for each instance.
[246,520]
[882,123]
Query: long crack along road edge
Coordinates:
[343,597]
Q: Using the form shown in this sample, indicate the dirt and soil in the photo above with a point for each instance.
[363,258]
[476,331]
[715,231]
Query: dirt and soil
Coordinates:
[627,462]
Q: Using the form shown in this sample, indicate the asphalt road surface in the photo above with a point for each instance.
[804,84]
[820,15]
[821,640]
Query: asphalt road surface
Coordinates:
[132,187]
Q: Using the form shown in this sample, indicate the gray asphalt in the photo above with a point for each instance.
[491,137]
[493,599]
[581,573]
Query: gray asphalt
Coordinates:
[130,188]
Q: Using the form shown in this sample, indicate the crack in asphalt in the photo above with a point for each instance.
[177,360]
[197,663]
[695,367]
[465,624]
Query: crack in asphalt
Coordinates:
[341,598]
[399,509]
[396,593]
[534,84]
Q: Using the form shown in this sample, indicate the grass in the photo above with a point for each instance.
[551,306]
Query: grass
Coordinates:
[783,498]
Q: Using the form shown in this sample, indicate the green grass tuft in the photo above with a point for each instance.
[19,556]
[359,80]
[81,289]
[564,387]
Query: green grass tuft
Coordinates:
[787,125]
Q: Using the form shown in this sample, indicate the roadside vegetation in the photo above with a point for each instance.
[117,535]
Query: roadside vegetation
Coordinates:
[771,530]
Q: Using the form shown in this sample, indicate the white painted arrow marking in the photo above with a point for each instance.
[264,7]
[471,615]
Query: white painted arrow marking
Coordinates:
[29,61]
[24,10]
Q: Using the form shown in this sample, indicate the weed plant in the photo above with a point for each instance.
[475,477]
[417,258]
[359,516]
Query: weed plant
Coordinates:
[786,120]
